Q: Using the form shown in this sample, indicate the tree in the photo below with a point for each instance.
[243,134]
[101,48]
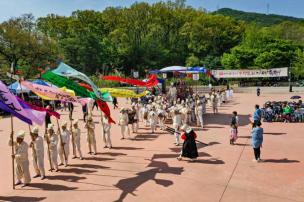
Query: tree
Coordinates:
[21,44]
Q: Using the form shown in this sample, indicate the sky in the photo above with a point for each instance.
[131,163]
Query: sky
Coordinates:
[39,8]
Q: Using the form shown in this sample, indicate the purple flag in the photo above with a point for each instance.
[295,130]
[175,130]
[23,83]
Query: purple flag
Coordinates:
[36,116]
[9,103]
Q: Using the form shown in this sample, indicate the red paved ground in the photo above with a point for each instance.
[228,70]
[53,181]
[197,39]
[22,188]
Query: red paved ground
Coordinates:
[146,169]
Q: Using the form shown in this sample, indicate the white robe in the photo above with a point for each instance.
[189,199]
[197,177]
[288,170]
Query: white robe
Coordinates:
[65,138]
[38,156]
[22,162]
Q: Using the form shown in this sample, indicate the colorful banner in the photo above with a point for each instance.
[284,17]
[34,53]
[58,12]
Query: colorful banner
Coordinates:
[9,103]
[67,71]
[106,96]
[36,116]
[248,73]
[79,90]
[103,106]
[125,93]
[152,80]
[50,93]
[64,82]
[34,107]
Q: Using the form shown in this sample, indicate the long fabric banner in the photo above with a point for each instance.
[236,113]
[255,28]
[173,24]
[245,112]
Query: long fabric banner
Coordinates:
[106,96]
[64,82]
[103,106]
[36,116]
[50,93]
[79,90]
[125,93]
[67,71]
[9,103]
[34,107]
[248,73]
[152,81]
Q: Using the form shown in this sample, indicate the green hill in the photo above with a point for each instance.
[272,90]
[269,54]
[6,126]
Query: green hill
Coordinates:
[258,18]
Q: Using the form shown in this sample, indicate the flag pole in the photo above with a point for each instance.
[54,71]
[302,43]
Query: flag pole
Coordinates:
[46,137]
[13,150]
[73,139]
[12,134]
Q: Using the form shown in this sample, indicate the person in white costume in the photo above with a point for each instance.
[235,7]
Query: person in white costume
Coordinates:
[76,138]
[37,153]
[21,158]
[64,145]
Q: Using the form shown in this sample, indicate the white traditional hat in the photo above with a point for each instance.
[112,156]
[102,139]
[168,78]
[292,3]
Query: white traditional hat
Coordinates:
[20,134]
[64,124]
[35,130]
[50,126]
[186,128]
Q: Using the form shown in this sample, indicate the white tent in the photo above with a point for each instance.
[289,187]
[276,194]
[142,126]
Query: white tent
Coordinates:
[174,69]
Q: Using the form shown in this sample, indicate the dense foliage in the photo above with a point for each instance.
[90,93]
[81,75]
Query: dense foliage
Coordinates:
[258,18]
[150,36]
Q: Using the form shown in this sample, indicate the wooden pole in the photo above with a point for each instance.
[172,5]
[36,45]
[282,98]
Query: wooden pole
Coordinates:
[89,139]
[61,143]
[12,136]
[73,139]
[46,137]
[13,150]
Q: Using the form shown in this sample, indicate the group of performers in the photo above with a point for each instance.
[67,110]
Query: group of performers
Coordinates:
[168,112]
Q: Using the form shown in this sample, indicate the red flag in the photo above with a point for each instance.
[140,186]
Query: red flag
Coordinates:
[152,81]
[103,106]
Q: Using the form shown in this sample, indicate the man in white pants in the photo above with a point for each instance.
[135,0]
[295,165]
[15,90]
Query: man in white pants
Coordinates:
[52,141]
[37,153]
[21,158]
[124,122]
[91,135]
[152,117]
[106,135]
[199,111]
[64,145]
[177,122]
[76,138]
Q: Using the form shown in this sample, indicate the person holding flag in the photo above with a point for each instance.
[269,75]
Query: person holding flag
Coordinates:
[64,146]
[37,153]
[52,141]
[21,158]
[76,134]
[91,135]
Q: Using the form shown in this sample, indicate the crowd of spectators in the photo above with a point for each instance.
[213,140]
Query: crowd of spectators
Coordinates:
[283,111]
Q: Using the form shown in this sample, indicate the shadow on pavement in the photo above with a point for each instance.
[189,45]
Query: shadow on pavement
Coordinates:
[126,148]
[68,178]
[129,185]
[92,166]
[113,154]
[50,187]
[284,160]
[21,198]
[248,137]
[274,133]
[77,171]
[241,144]
[95,158]
[208,161]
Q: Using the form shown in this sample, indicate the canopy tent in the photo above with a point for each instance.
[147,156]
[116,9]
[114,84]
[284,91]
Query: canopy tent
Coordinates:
[180,69]
[18,88]
[174,69]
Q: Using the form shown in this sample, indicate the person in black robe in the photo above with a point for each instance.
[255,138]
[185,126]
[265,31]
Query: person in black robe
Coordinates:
[189,146]
[48,117]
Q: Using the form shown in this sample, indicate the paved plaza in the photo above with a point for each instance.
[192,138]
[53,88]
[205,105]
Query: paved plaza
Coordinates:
[146,169]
